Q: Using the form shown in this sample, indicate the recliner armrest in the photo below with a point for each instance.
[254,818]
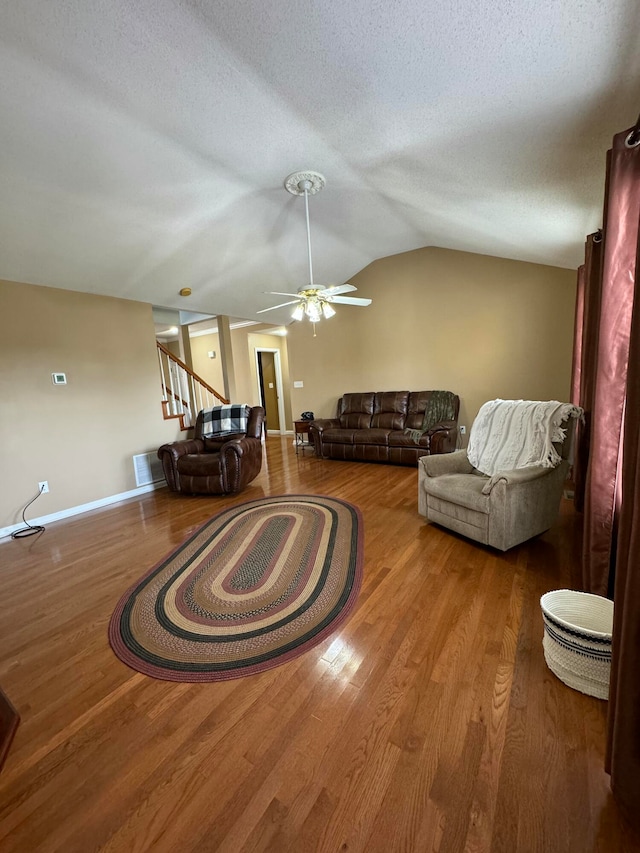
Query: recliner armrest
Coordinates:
[180,448]
[443,425]
[446,463]
[515,477]
[241,461]
[443,437]
[316,428]
[324,423]
[169,455]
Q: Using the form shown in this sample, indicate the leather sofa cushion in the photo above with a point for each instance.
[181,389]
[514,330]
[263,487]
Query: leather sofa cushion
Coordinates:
[388,420]
[371,436]
[355,420]
[415,409]
[390,409]
[356,410]
[213,445]
[199,464]
[337,435]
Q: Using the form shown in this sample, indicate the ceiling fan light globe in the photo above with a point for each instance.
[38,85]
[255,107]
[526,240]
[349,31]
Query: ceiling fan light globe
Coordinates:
[298,312]
[327,310]
[313,312]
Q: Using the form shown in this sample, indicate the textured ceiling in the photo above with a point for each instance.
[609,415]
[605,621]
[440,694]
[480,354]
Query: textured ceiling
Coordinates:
[144,144]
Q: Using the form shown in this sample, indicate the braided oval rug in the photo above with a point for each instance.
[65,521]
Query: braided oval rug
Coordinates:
[255,586]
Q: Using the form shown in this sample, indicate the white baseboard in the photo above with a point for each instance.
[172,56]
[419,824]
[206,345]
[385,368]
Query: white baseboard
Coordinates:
[76,510]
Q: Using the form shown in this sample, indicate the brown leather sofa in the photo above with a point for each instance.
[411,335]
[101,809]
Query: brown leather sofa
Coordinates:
[371,427]
[214,466]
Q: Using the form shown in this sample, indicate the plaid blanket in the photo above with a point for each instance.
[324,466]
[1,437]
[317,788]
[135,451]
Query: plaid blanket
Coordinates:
[225,420]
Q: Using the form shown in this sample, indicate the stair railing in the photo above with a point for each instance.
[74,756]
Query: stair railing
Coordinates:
[184,393]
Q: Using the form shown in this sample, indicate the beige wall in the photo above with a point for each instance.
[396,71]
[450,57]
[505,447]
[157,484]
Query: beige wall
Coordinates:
[480,326]
[244,342]
[209,369]
[80,436]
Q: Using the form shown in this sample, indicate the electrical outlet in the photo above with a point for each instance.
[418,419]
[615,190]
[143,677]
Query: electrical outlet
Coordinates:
[463,430]
[43,487]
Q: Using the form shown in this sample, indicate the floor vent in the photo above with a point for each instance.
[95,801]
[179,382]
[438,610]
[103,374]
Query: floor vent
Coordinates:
[148,469]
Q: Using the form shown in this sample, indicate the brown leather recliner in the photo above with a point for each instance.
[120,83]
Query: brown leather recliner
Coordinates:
[214,466]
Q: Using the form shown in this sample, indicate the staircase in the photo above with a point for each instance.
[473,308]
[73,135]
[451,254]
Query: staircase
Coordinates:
[184,393]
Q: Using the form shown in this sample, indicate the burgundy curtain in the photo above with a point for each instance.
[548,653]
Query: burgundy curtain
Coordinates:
[607,373]
[623,747]
[588,318]
[603,483]
[576,367]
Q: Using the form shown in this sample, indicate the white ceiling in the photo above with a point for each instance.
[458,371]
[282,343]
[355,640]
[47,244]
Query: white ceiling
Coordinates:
[144,144]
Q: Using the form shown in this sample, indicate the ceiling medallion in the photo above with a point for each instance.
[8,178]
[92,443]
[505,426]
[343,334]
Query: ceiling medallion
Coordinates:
[297,182]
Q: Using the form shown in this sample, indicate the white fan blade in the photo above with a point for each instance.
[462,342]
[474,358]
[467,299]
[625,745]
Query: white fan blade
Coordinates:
[350,300]
[273,307]
[336,289]
[280,293]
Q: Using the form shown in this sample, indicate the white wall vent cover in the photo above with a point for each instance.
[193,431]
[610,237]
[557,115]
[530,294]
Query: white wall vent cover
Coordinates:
[148,469]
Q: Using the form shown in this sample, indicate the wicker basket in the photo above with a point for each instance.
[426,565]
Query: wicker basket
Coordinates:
[577,639]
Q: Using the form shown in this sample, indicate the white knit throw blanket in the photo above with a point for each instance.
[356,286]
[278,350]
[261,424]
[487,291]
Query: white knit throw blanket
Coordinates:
[508,434]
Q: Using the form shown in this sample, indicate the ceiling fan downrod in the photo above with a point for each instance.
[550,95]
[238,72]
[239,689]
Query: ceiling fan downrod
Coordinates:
[306,183]
[306,186]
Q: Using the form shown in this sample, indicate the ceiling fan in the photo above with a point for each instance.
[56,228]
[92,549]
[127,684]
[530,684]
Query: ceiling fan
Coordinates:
[313,301]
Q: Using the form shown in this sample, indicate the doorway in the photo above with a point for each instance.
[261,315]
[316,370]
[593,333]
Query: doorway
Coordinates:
[270,388]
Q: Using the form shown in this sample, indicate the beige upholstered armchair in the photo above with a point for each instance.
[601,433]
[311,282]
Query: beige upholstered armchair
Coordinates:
[501,509]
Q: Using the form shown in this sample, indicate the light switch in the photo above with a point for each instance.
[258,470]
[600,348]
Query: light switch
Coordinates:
[271,385]
[298,384]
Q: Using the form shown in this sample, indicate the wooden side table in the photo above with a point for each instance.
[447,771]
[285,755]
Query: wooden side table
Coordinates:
[301,429]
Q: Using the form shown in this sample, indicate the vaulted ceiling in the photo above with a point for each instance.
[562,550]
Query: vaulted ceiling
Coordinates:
[145,144]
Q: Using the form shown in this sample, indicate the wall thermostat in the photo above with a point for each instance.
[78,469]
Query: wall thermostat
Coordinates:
[59,378]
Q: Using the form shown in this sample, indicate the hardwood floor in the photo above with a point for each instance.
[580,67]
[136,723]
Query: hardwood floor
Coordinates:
[428,722]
